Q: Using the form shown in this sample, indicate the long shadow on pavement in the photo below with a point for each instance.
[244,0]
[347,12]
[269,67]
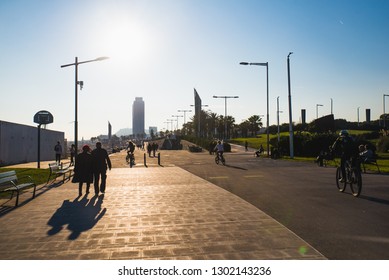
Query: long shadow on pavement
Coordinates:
[8,205]
[374,199]
[79,215]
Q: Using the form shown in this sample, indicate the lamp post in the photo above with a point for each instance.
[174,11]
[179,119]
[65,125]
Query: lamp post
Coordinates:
[225,111]
[167,125]
[171,124]
[317,110]
[278,119]
[184,111]
[267,98]
[358,115]
[176,116]
[384,110]
[291,148]
[332,106]
[76,63]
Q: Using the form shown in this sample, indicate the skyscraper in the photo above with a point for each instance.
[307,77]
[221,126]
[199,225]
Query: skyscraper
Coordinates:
[138,117]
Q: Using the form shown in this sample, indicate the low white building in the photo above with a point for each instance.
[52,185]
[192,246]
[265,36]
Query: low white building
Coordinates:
[19,143]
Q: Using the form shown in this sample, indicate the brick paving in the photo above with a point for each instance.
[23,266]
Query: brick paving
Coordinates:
[146,213]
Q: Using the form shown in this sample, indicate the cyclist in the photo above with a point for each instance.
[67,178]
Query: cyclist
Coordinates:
[219,149]
[348,149]
[131,147]
[130,150]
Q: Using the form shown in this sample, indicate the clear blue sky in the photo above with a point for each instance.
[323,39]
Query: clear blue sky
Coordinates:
[162,49]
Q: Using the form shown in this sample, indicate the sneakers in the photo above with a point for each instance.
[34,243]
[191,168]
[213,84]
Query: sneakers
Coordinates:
[341,180]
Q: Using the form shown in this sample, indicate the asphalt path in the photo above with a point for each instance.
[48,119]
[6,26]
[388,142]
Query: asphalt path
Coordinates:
[303,197]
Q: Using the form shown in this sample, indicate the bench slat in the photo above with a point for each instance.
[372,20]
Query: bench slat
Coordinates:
[9,183]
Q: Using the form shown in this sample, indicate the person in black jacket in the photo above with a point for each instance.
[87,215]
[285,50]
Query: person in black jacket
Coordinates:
[346,146]
[100,163]
[83,169]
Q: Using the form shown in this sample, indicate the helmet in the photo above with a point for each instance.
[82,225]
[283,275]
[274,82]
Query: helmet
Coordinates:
[343,132]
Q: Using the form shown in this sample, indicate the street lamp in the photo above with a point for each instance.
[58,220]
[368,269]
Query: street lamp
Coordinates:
[171,124]
[184,111]
[291,149]
[176,116]
[278,119]
[358,115]
[267,98]
[384,111]
[317,110]
[332,106]
[225,111]
[81,83]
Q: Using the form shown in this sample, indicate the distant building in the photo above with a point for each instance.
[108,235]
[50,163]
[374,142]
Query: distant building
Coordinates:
[138,117]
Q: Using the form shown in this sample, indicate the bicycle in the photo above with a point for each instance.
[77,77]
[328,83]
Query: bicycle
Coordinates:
[220,158]
[353,178]
[130,159]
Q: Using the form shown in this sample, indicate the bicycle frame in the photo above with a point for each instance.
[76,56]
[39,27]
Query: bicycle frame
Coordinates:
[352,177]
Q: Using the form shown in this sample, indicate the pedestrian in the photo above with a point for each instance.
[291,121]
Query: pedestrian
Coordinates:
[149,148]
[154,148]
[83,169]
[101,162]
[72,154]
[58,152]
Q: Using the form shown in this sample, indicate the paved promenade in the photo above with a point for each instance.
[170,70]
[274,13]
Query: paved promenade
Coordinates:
[146,213]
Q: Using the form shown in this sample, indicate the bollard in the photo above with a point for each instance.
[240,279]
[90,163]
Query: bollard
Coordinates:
[159,158]
[144,159]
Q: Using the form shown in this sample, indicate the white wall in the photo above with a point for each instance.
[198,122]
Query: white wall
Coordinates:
[19,143]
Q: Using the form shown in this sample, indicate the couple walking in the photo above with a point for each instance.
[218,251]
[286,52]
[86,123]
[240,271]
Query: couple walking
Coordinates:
[91,166]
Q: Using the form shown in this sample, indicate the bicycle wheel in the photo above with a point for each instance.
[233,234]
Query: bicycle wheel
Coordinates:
[356,182]
[128,159]
[223,161]
[341,185]
[217,160]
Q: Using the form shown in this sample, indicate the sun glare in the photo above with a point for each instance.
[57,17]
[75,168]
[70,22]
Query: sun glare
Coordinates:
[127,40]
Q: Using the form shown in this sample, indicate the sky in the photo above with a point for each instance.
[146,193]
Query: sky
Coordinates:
[161,50]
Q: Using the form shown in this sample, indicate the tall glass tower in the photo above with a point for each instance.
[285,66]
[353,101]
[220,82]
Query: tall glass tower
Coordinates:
[138,117]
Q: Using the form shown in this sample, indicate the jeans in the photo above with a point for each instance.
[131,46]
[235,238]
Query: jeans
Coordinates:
[97,175]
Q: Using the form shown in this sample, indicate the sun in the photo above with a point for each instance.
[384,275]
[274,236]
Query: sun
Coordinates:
[127,39]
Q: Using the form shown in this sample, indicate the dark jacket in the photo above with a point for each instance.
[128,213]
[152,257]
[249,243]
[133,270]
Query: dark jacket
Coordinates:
[345,146]
[100,159]
[83,172]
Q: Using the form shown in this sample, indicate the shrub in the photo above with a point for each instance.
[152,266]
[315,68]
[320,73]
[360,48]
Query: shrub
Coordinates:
[383,144]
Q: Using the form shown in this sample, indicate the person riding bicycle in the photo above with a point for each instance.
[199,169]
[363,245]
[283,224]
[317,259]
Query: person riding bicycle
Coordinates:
[219,149]
[348,150]
[130,147]
[130,150]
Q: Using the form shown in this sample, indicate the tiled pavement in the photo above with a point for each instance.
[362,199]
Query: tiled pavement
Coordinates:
[146,213]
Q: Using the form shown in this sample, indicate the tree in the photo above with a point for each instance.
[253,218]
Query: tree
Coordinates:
[244,128]
[212,123]
[255,122]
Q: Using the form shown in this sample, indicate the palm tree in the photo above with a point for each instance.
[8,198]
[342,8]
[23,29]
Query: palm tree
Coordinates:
[244,128]
[255,123]
[212,121]
[230,125]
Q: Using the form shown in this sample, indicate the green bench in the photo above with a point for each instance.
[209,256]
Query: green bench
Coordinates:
[371,161]
[9,182]
[57,170]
